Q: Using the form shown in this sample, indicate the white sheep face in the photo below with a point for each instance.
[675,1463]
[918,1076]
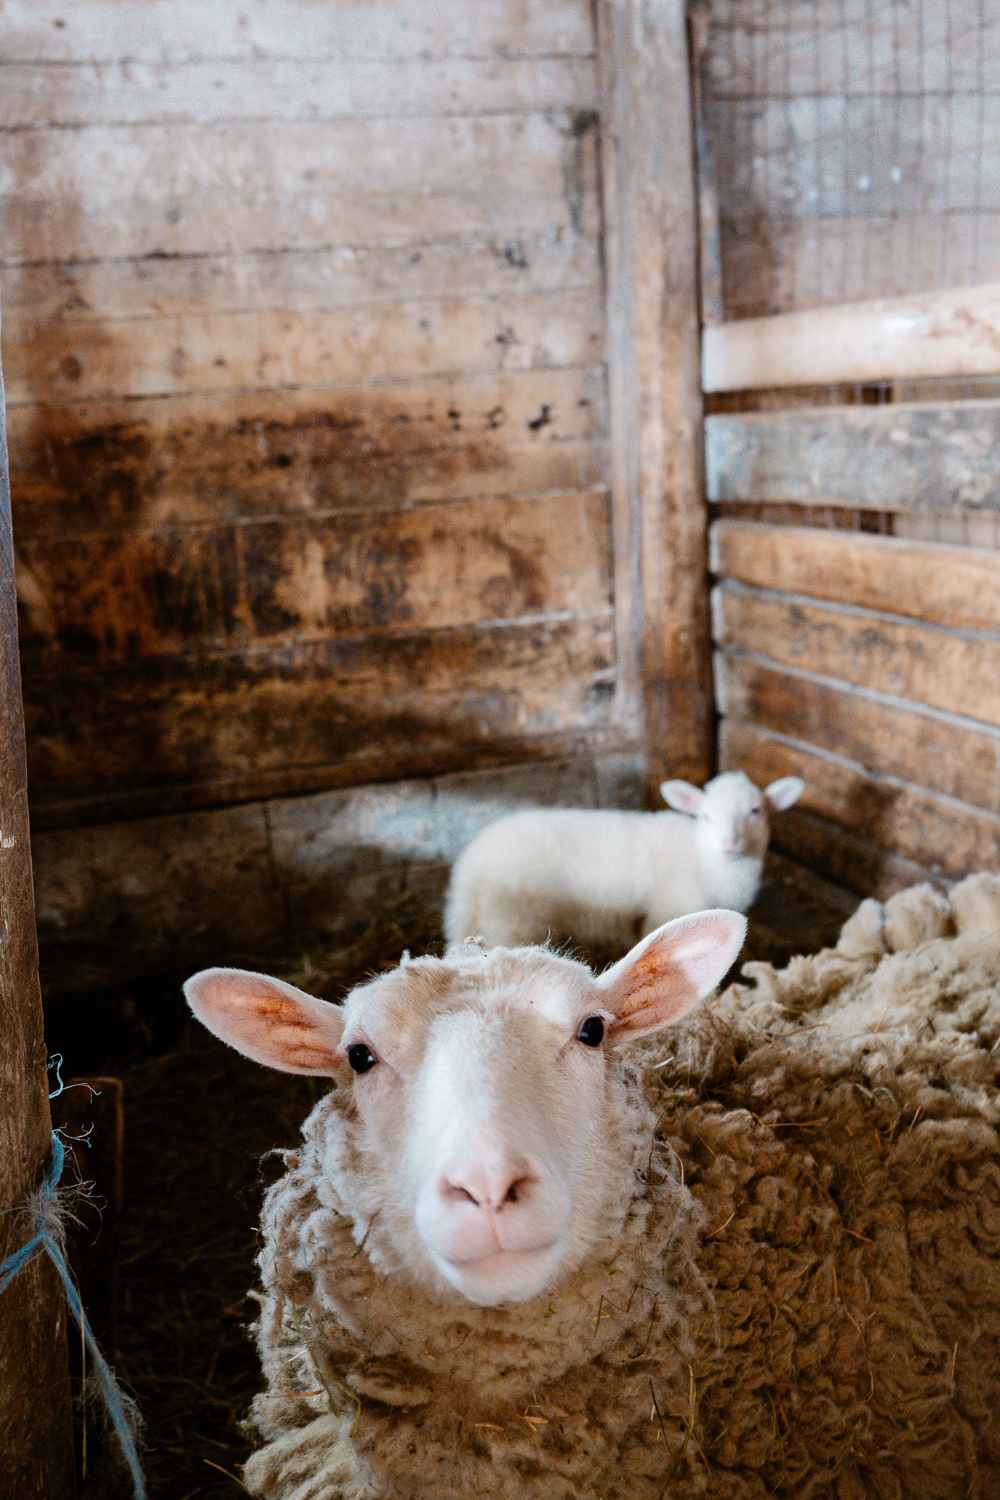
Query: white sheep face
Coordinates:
[483,1131]
[731,812]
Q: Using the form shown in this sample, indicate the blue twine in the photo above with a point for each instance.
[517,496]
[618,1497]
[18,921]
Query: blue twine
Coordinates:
[44,1239]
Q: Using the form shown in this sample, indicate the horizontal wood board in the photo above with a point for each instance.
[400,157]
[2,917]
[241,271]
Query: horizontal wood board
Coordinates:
[174,31]
[918,457]
[150,593]
[939,334]
[957,586]
[229,725]
[957,671]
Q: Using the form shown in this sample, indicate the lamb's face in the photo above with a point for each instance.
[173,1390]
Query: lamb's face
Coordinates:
[484,1119]
[731,813]
[732,818]
[483,1105]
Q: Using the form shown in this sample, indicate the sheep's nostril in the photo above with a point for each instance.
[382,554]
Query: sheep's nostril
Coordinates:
[516,1190]
[462,1192]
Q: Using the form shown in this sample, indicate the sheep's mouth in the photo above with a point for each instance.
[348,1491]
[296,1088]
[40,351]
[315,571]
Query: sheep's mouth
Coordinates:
[504,1275]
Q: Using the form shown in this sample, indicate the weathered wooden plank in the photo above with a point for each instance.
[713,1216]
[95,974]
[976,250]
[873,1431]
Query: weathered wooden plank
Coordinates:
[957,757]
[36,1440]
[259,88]
[344,276]
[933,334]
[762,51]
[146,593]
[207,459]
[941,834]
[957,671]
[71,195]
[206,351]
[102,31]
[958,586]
[912,458]
[352,711]
[651,236]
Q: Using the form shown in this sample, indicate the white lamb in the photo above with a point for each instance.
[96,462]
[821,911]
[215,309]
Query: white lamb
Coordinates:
[604,878]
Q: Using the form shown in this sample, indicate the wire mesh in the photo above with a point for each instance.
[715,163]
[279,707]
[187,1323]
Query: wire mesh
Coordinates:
[852,148]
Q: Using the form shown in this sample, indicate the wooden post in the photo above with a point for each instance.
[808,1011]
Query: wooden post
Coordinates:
[651,250]
[36,1440]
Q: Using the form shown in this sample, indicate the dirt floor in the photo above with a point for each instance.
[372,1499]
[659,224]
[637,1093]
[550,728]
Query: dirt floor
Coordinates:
[198,1119]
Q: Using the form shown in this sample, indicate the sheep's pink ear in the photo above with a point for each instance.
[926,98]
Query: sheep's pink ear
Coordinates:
[783,792]
[673,968]
[682,796]
[268,1020]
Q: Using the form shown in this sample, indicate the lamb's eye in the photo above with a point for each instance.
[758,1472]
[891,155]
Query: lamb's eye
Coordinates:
[361,1057]
[591,1033]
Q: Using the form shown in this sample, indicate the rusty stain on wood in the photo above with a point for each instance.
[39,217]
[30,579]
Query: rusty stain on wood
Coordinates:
[149,593]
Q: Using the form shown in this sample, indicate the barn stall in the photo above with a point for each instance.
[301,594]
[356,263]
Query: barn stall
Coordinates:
[414,413]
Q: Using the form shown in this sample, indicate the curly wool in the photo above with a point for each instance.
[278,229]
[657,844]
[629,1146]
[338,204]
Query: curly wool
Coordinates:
[800,1295]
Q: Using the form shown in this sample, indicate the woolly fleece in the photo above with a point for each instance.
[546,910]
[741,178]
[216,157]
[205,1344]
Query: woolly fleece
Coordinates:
[799,1297]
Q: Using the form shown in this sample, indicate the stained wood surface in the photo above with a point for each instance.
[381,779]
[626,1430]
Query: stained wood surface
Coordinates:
[36,1447]
[151,593]
[654,384]
[956,671]
[908,458]
[958,757]
[194,460]
[939,333]
[335,374]
[343,346]
[941,834]
[850,150]
[251,722]
[958,586]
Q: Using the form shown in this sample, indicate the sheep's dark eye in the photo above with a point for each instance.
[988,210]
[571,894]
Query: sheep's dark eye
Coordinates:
[591,1033]
[361,1057]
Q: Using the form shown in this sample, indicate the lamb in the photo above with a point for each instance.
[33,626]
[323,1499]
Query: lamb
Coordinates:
[521,1254]
[604,878]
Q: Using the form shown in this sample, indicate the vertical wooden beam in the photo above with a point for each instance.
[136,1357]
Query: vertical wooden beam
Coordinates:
[651,257]
[36,1442]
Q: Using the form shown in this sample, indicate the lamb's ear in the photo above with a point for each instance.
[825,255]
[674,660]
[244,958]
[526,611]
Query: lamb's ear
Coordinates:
[784,792]
[268,1020]
[682,796]
[666,974]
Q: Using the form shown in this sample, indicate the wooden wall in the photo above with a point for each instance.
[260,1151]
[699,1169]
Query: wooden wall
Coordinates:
[847,153]
[304,334]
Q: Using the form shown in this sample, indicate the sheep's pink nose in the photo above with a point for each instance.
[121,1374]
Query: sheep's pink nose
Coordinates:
[489,1185]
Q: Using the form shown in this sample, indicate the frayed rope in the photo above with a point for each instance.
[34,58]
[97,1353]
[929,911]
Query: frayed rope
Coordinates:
[48,1236]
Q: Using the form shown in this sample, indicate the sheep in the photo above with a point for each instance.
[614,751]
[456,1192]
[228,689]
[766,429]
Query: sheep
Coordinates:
[765,1265]
[604,878]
